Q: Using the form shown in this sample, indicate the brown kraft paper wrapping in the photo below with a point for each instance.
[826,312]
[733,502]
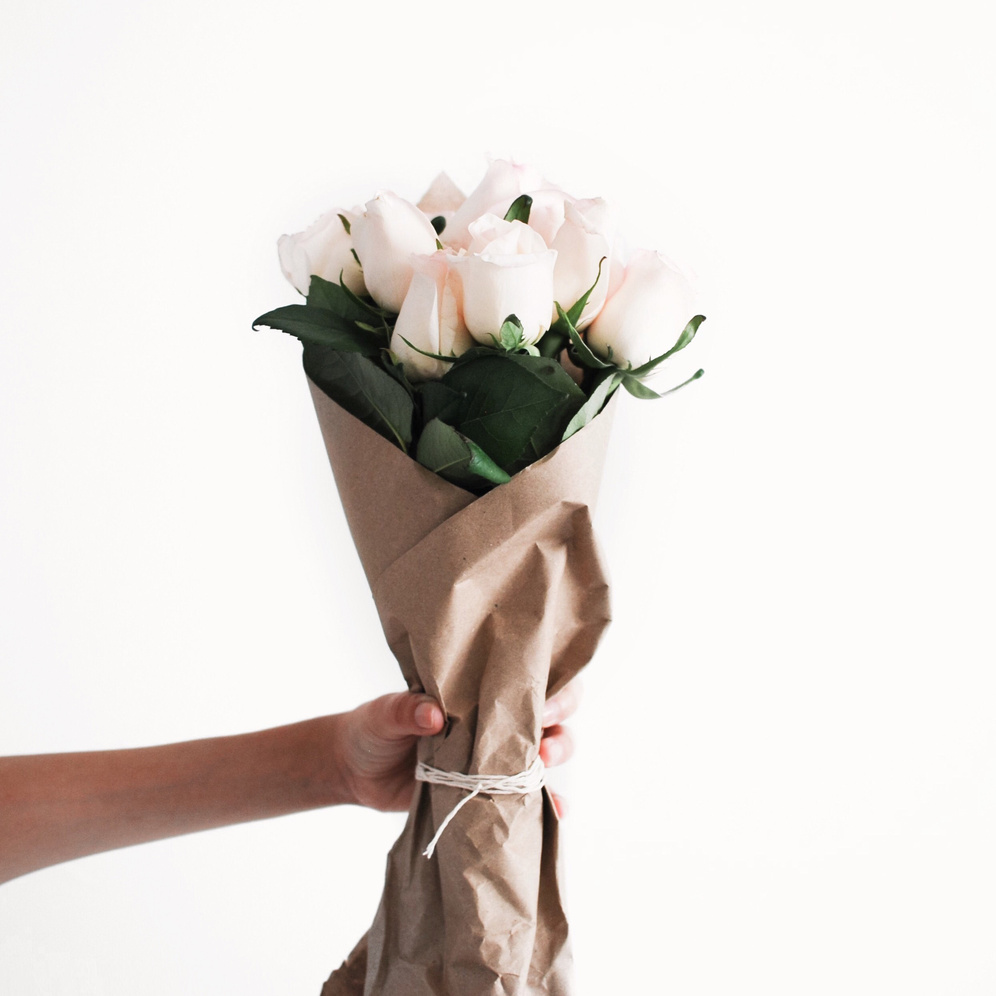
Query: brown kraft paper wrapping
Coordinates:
[491,604]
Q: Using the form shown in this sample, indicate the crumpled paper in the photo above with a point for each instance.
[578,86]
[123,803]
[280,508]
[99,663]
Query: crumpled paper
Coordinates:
[491,604]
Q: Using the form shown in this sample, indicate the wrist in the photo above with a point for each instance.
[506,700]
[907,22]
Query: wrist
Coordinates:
[316,766]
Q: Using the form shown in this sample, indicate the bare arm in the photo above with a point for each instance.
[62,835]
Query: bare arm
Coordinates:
[55,807]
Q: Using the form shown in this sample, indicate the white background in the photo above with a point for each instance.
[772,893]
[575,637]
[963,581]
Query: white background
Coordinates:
[786,775]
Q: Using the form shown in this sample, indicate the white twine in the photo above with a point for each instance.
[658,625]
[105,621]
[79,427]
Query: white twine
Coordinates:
[525,782]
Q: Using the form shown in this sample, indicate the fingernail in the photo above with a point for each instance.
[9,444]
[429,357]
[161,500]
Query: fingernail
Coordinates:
[426,715]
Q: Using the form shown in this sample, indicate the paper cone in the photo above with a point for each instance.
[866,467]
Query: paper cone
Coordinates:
[491,604]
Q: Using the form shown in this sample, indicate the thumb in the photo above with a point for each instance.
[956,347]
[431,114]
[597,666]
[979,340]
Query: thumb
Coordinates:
[410,714]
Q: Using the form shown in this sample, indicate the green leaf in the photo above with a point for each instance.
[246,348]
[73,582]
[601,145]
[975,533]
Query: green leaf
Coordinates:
[574,314]
[599,396]
[341,300]
[584,356]
[687,335]
[364,390]
[548,434]
[319,327]
[455,457]
[550,372]
[438,400]
[438,223]
[396,370]
[510,334]
[638,389]
[519,209]
[434,356]
[512,404]
[695,376]
[345,223]
[553,341]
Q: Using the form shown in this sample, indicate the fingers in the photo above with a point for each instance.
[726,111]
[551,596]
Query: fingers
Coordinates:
[557,746]
[563,704]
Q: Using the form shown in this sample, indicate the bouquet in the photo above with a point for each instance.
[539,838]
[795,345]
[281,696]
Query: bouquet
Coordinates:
[461,353]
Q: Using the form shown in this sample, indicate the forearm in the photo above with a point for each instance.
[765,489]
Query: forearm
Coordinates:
[55,807]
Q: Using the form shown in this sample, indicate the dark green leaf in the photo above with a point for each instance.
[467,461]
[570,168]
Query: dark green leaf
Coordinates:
[434,356]
[552,342]
[550,372]
[549,433]
[345,223]
[574,313]
[507,399]
[582,354]
[687,335]
[364,390]
[602,392]
[519,209]
[438,400]
[438,223]
[320,327]
[397,371]
[455,457]
[340,299]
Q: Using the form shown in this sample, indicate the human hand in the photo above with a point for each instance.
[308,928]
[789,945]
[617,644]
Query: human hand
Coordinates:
[377,742]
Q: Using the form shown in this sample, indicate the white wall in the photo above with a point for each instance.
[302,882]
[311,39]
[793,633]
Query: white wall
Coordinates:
[785,778]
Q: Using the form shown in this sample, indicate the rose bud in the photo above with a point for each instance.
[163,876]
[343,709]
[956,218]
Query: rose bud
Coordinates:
[442,199]
[645,314]
[430,320]
[503,182]
[582,243]
[385,236]
[509,271]
[324,249]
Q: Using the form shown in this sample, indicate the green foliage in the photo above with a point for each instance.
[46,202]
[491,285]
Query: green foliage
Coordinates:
[687,335]
[365,390]
[519,209]
[321,327]
[497,408]
[339,299]
[514,407]
[447,452]
[605,384]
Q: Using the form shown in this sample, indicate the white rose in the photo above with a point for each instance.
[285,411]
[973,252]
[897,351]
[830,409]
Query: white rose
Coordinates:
[492,235]
[508,272]
[582,242]
[385,236]
[430,319]
[442,198]
[325,250]
[646,313]
[546,214]
[503,182]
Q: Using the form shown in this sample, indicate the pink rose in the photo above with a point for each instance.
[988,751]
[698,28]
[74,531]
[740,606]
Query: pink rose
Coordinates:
[385,236]
[646,313]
